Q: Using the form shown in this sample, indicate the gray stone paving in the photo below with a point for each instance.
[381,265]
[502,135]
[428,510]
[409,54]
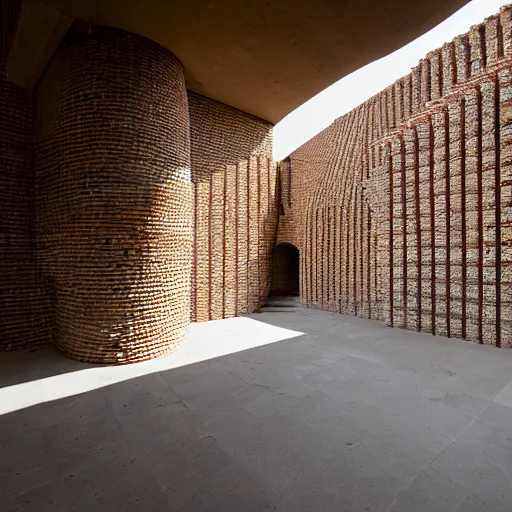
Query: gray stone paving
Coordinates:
[351,416]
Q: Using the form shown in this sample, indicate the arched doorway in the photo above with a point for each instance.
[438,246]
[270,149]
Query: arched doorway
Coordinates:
[285,270]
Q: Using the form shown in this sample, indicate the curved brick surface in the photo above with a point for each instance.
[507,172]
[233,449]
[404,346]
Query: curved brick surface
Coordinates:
[401,208]
[114,199]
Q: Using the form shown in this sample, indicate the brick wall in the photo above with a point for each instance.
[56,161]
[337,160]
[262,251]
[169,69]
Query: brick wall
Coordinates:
[235,209]
[401,208]
[112,210]
[25,308]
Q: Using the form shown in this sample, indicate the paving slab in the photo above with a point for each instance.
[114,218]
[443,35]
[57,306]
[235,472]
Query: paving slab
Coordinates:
[313,411]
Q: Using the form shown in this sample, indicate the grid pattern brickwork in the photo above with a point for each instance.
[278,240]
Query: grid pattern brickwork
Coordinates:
[235,183]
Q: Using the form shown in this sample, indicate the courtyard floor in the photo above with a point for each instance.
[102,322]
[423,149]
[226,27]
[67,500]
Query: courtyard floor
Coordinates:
[305,411]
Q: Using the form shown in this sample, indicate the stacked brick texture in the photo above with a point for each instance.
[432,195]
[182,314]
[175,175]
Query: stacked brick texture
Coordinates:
[26,316]
[402,208]
[131,230]
[235,209]
[143,205]
[114,196]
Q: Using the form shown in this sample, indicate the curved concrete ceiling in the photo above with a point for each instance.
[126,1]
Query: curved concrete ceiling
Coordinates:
[268,57]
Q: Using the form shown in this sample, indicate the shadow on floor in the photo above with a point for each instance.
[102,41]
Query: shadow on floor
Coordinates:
[350,416]
[43,362]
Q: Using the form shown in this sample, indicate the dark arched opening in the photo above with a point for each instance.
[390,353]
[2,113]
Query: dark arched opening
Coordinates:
[285,270]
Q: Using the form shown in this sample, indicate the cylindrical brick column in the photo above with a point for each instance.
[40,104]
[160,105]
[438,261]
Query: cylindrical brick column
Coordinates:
[114,196]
